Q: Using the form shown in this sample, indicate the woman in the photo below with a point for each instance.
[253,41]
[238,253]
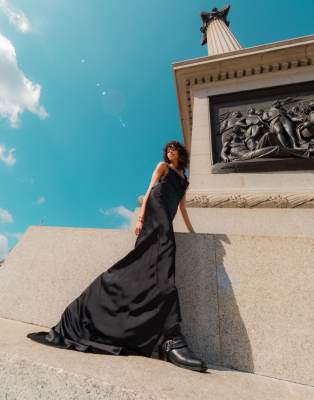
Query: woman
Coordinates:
[133,307]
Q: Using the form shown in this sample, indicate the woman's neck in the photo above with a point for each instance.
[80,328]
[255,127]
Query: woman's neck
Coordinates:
[174,165]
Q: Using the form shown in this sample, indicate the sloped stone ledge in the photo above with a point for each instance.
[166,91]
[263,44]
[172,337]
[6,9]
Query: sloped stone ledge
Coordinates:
[31,371]
[24,379]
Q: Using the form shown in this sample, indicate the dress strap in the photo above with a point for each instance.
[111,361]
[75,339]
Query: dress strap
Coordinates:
[176,172]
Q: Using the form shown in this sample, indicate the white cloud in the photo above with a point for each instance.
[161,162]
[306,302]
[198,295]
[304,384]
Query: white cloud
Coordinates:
[126,225]
[122,212]
[16,17]
[7,156]
[4,246]
[17,93]
[14,235]
[40,200]
[5,216]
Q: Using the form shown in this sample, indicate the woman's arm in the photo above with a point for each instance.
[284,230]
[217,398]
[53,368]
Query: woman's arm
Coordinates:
[158,171]
[185,214]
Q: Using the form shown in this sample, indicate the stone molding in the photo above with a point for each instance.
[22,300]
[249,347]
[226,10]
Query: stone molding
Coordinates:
[203,72]
[200,199]
[203,199]
[259,69]
[215,76]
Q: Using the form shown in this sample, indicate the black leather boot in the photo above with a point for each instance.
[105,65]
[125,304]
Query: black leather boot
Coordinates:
[176,351]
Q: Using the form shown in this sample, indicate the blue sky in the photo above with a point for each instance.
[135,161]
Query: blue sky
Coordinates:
[87,99]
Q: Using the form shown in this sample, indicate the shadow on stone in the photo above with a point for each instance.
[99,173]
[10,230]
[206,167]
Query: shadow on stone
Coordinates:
[235,347]
[212,320]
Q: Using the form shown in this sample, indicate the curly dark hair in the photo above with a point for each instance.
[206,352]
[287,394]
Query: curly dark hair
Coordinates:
[184,157]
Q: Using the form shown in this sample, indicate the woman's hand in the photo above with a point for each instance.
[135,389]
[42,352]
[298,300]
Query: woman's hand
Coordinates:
[138,227]
[185,214]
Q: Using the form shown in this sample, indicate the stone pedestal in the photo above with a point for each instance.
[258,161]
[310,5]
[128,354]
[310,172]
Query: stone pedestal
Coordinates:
[259,225]
[246,300]
[199,82]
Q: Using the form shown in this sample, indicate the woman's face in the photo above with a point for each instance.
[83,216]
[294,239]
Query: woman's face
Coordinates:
[172,153]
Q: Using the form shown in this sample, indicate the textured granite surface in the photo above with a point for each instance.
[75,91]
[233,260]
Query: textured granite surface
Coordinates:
[31,371]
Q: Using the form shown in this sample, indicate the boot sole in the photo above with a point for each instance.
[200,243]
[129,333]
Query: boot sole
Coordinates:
[164,357]
[198,369]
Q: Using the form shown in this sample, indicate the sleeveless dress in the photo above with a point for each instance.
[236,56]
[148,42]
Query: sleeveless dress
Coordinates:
[130,308]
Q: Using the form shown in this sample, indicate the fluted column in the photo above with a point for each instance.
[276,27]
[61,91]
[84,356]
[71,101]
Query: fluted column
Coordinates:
[220,39]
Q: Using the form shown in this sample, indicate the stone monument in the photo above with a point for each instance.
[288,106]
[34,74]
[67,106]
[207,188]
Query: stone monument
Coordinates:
[247,119]
[248,114]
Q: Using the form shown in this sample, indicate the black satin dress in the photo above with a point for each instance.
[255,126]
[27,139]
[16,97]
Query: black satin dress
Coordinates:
[132,306]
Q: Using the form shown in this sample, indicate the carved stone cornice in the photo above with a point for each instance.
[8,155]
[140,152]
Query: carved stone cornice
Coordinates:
[255,61]
[201,199]
[250,200]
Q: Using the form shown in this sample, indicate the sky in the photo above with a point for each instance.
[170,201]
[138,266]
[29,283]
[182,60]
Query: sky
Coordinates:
[87,99]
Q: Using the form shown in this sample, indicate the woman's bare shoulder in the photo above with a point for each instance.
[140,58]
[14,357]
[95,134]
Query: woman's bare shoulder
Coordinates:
[162,166]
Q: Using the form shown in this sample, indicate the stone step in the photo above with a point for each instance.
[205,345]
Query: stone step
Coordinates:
[31,371]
